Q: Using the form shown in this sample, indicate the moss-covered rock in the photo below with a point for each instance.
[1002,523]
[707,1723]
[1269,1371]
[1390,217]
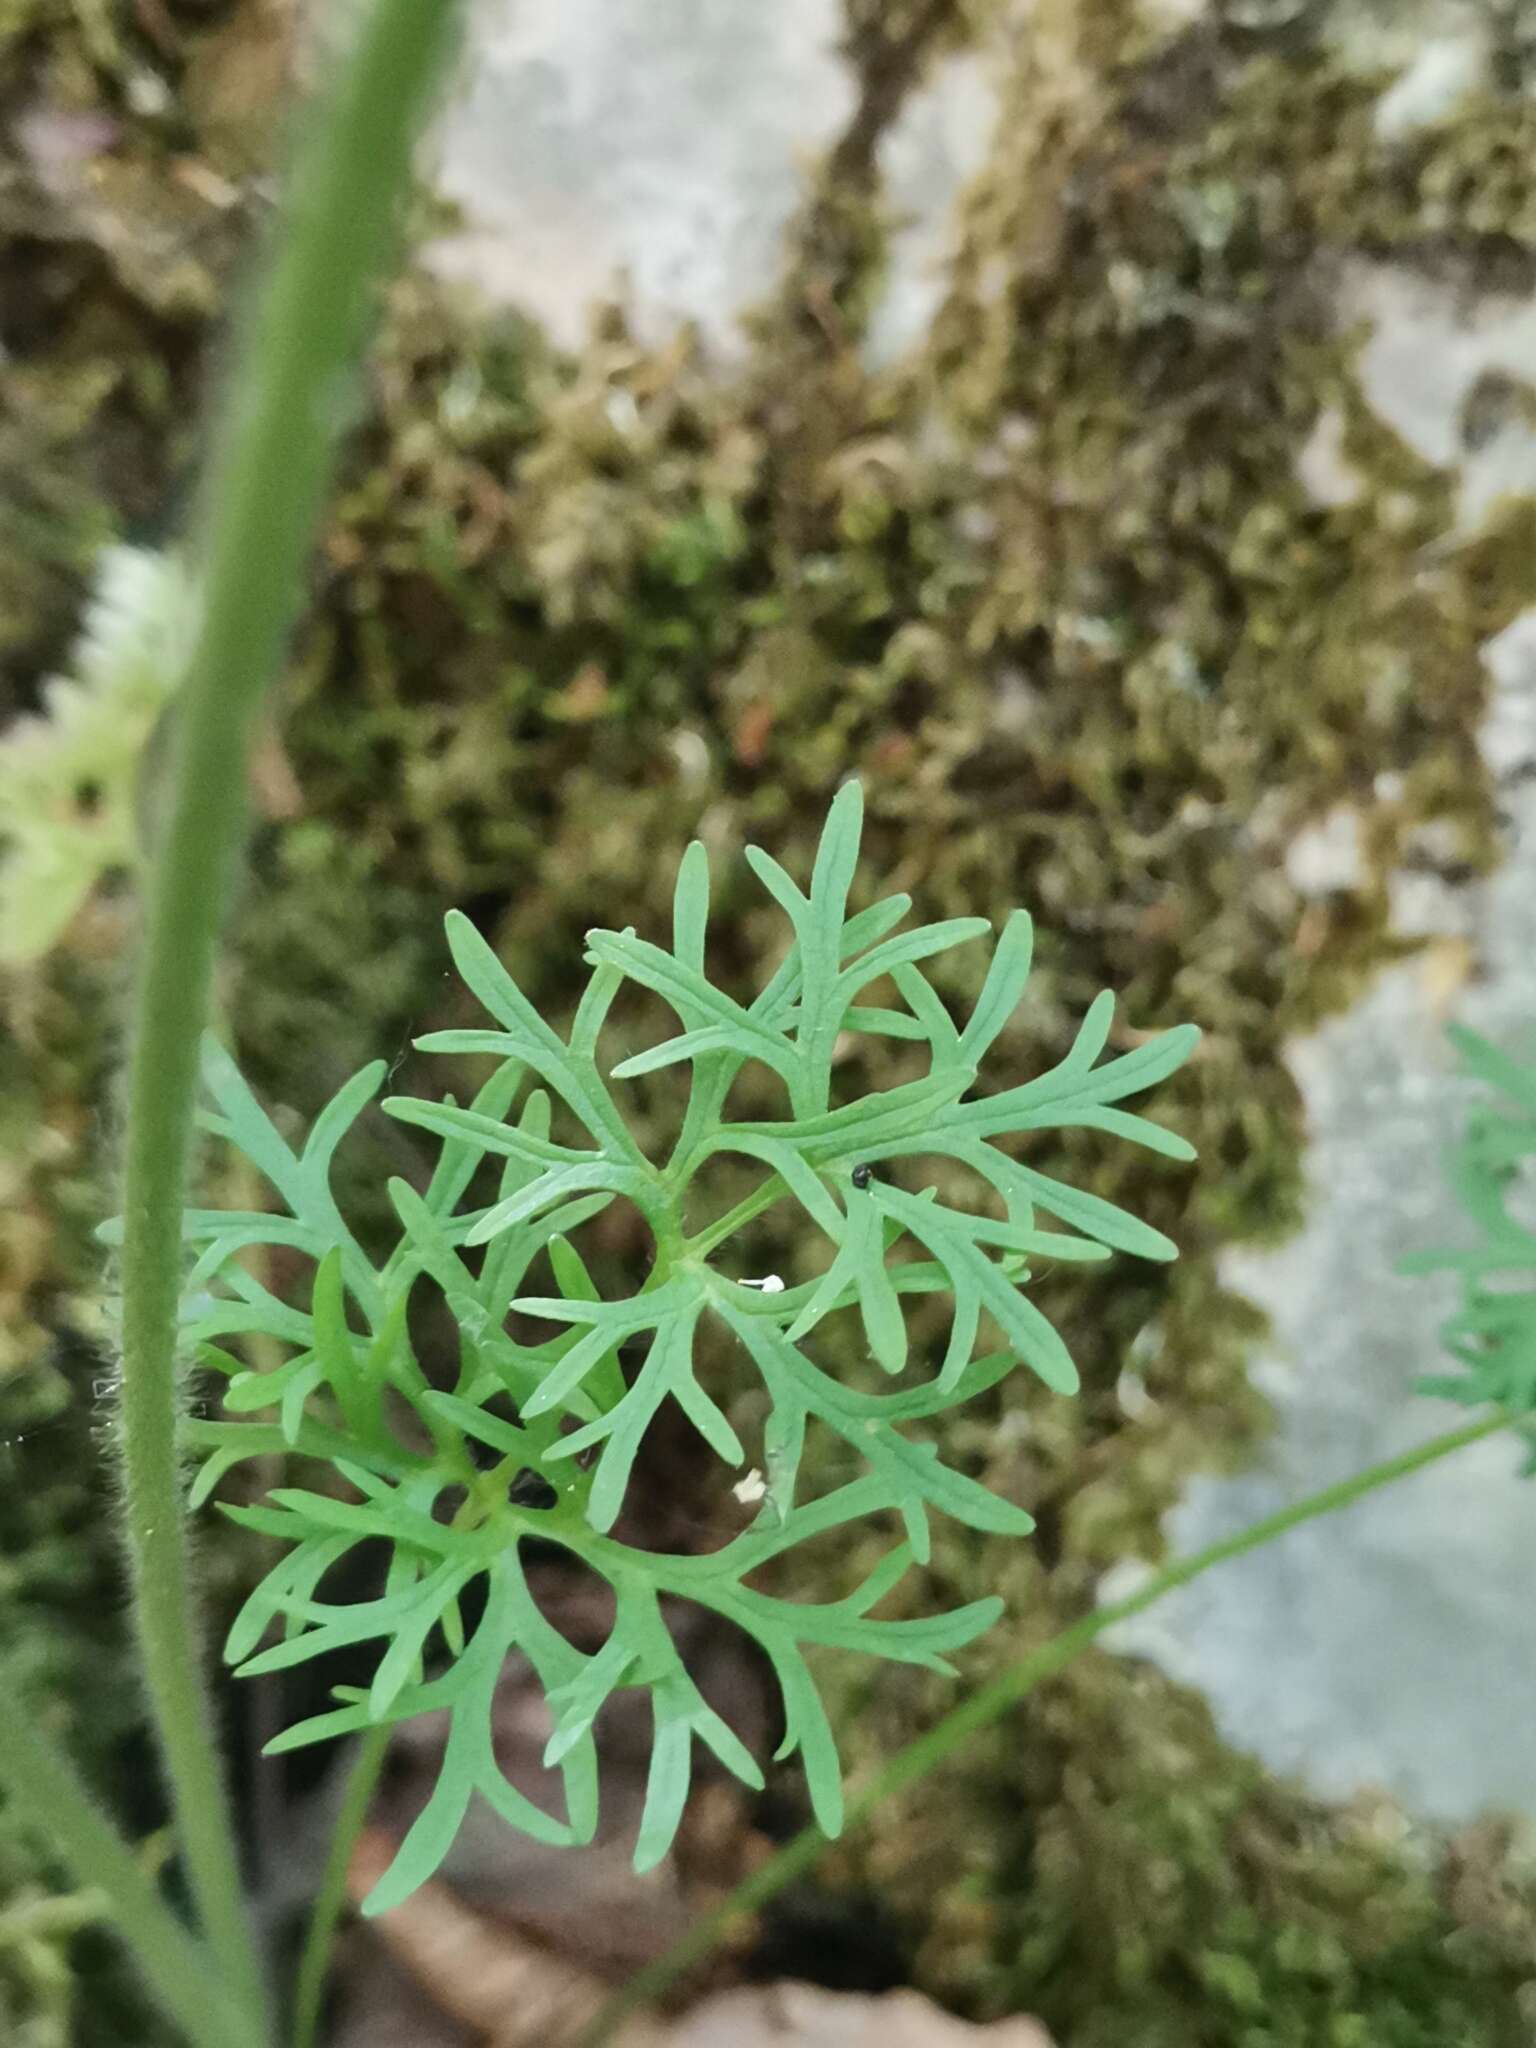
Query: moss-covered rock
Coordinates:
[1057,590]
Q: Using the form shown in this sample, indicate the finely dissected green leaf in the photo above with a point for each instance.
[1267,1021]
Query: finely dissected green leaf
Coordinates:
[689,1045]
[789,898]
[592,1011]
[884,1324]
[576,1704]
[559,1184]
[243,1120]
[459,1158]
[535,1432]
[931,1018]
[884,1126]
[570,1073]
[836,858]
[469,1764]
[922,944]
[956,1248]
[819,930]
[1089,1213]
[666,1789]
[668,1370]
[1004,987]
[861,931]
[696,1001]
[910,1478]
[491,1133]
[807,1729]
[1492,1332]
[883,1023]
[690,907]
[1040,1104]
[799,1179]
[1497,1068]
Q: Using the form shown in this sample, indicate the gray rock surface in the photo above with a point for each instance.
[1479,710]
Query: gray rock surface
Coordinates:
[653,146]
[654,150]
[938,142]
[1394,1645]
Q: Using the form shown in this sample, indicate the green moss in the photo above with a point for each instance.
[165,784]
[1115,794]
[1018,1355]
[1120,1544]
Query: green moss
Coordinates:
[1055,589]
[1241,1914]
[1157,1889]
[63,1632]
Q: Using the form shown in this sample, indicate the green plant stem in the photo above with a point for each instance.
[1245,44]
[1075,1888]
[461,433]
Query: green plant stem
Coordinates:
[265,492]
[762,1198]
[315,1963]
[42,1789]
[994,1699]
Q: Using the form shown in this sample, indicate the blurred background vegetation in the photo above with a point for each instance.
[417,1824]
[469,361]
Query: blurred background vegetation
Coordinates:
[1051,584]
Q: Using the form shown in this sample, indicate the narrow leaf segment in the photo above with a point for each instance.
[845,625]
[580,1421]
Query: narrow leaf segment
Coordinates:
[536,1442]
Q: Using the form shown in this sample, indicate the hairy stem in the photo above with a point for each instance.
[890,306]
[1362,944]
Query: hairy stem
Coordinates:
[994,1699]
[42,1790]
[265,490]
[315,1963]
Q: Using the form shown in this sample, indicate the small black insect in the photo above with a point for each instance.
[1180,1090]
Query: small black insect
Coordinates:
[862,1176]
